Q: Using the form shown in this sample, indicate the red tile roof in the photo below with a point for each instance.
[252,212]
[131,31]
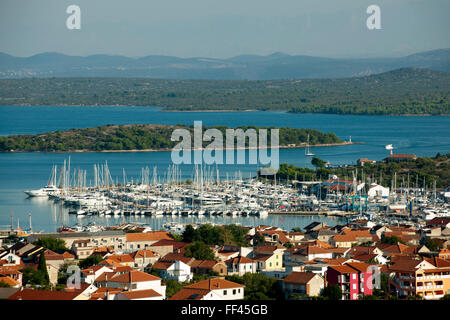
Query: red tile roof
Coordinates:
[149,236]
[299,277]
[214,284]
[140,294]
[30,294]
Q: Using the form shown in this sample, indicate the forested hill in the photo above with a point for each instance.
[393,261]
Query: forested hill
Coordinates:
[141,137]
[421,173]
[402,91]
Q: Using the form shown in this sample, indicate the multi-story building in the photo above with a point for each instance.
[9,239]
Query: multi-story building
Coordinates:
[346,278]
[429,278]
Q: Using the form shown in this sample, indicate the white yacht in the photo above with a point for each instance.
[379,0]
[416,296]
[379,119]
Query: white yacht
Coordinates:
[43,192]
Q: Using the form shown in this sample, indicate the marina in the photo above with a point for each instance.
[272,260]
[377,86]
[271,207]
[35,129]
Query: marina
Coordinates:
[21,172]
[205,197]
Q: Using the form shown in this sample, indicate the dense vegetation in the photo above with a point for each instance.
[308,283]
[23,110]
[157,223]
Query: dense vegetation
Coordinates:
[230,234]
[139,137]
[421,172]
[52,243]
[402,91]
[258,286]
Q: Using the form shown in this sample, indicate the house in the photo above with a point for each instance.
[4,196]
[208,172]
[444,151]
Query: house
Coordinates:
[365,275]
[398,249]
[439,222]
[360,162]
[222,290]
[223,253]
[9,282]
[303,283]
[346,278]
[26,251]
[274,236]
[12,272]
[269,257]
[295,237]
[205,267]
[9,258]
[108,238]
[429,278]
[85,290]
[240,266]
[444,254]
[105,293]
[307,253]
[131,280]
[177,270]
[136,241]
[164,246]
[348,238]
[82,248]
[90,274]
[122,259]
[148,294]
[144,258]
[56,259]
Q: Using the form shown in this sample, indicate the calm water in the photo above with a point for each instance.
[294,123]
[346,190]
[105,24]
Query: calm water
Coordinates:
[423,136]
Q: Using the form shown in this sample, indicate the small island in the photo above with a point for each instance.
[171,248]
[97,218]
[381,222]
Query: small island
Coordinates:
[146,137]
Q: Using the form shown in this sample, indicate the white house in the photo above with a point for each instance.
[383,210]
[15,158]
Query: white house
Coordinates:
[131,281]
[90,274]
[177,270]
[240,266]
[10,258]
[222,290]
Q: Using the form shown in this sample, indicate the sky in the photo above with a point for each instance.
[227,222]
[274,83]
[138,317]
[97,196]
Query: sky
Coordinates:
[225,28]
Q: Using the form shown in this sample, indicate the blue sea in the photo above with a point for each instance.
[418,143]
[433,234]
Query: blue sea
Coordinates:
[423,136]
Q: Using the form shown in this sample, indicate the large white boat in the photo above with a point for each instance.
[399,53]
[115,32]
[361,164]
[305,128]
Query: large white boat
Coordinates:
[43,192]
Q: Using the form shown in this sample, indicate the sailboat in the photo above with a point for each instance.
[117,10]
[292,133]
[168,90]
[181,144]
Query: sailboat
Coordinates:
[308,153]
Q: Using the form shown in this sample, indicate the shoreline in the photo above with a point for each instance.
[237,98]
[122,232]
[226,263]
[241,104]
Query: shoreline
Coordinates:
[345,143]
[235,110]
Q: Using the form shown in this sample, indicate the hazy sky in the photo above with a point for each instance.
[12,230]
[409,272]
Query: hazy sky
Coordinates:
[225,28]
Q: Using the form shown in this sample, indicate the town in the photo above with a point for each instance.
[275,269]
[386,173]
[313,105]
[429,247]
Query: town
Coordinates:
[358,260]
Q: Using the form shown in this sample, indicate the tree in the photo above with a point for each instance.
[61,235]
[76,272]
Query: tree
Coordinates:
[51,243]
[258,286]
[32,276]
[391,240]
[172,287]
[288,245]
[332,292]
[200,251]
[317,162]
[433,244]
[296,229]
[92,260]
[42,268]
[188,233]
[177,237]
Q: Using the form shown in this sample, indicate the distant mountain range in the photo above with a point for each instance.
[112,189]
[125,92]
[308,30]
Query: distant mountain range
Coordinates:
[243,67]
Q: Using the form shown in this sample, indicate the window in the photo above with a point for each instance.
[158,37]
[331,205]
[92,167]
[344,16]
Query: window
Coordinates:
[234,291]
[354,286]
[224,292]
